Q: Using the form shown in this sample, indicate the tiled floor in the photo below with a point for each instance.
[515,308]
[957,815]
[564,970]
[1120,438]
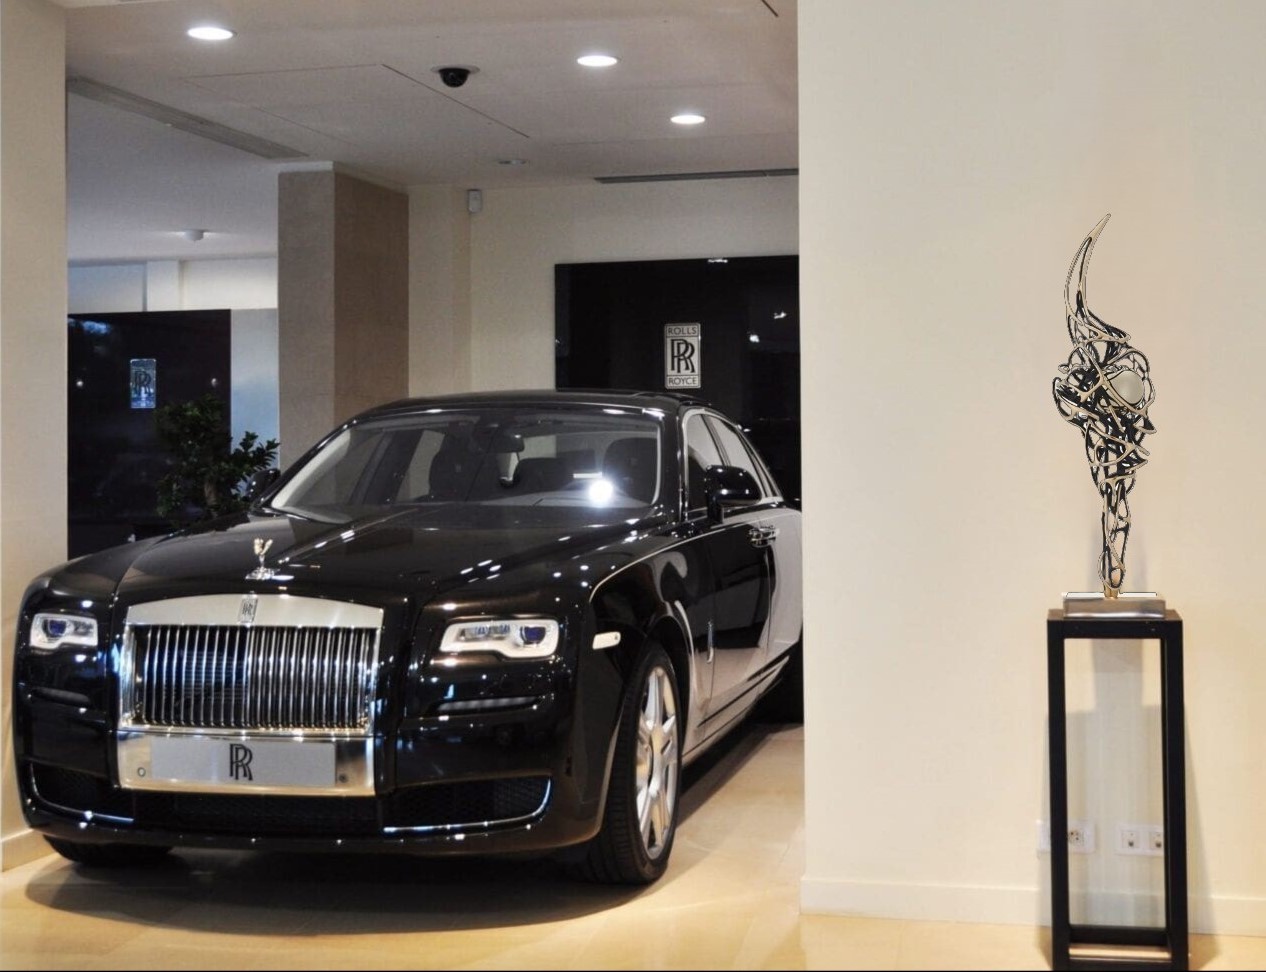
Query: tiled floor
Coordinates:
[729,900]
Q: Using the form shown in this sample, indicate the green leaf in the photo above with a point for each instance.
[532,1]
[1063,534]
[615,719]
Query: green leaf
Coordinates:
[210,474]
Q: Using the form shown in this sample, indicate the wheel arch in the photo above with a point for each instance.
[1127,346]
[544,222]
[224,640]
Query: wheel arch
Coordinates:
[668,633]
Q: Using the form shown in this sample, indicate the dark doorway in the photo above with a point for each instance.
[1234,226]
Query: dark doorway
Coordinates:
[122,367]
[725,330]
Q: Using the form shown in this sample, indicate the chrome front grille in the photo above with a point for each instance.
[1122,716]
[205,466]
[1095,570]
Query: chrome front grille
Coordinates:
[252,677]
[302,664]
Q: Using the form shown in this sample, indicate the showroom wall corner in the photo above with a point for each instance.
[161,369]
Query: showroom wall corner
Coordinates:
[32,342]
[952,159]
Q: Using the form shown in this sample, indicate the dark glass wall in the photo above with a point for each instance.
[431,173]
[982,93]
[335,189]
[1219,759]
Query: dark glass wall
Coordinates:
[610,321]
[121,367]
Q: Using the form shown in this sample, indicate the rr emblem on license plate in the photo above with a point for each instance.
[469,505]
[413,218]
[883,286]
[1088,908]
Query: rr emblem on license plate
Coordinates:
[240,757]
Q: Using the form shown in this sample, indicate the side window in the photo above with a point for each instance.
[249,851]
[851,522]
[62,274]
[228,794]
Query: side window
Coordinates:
[701,452]
[737,452]
[763,475]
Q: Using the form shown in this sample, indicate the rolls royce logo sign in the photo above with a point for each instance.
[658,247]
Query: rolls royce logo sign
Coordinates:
[246,611]
[240,757]
[682,356]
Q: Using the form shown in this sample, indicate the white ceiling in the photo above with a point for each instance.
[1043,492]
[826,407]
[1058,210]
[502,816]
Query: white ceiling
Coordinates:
[353,82]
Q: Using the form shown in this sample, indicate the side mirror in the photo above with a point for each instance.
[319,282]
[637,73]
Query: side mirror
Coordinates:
[727,488]
[259,482]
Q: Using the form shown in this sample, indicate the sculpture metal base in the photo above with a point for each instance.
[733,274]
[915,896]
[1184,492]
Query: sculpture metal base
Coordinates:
[1126,605]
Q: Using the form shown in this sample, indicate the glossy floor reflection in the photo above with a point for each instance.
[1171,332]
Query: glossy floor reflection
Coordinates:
[730,900]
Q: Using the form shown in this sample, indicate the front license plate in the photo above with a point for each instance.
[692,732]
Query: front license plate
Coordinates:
[245,763]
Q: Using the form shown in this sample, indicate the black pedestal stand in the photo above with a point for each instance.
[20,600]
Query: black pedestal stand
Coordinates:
[1108,946]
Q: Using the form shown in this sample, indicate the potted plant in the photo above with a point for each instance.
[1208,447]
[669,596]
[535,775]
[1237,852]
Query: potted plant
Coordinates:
[209,476]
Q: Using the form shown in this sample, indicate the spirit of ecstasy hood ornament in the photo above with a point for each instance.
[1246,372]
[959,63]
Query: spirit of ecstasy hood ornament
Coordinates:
[261,572]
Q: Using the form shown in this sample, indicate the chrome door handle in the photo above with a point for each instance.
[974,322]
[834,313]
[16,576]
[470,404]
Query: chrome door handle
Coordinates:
[762,536]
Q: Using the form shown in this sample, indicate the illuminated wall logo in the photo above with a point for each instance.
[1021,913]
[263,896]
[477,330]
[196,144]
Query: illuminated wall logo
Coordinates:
[144,382]
[682,365]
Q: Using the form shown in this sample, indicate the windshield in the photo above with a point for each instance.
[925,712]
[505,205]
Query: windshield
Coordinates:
[591,460]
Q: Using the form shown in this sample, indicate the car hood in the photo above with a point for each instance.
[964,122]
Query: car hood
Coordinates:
[409,550]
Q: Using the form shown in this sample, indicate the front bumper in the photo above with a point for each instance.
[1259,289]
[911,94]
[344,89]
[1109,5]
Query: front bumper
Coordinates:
[458,789]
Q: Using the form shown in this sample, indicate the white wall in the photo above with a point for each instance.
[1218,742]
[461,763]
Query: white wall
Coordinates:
[235,284]
[107,288]
[246,287]
[244,284]
[953,156]
[522,233]
[254,403]
[32,344]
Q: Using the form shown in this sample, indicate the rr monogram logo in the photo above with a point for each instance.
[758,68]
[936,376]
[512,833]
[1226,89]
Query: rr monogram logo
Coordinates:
[240,762]
[682,353]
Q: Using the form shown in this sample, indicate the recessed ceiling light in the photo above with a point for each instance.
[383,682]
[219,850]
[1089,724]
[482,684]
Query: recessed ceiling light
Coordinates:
[688,118]
[209,32]
[193,235]
[597,60]
[511,161]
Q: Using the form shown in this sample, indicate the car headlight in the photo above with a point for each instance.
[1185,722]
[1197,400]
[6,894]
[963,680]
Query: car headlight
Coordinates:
[49,631]
[517,638]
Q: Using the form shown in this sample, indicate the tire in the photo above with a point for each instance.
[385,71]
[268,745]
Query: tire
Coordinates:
[785,701]
[109,855]
[640,820]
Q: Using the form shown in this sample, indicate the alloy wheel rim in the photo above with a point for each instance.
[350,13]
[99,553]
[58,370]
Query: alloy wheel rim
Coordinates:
[656,770]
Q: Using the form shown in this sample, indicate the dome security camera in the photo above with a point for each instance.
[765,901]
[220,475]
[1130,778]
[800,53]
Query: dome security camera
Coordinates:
[455,76]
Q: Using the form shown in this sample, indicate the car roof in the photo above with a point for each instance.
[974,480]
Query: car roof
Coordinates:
[669,402]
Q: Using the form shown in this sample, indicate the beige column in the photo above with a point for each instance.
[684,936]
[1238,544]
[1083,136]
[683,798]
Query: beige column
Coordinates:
[439,291]
[32,343]
[343,301]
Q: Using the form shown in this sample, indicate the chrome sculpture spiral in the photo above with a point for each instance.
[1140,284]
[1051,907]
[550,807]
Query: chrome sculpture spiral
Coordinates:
[1105,389]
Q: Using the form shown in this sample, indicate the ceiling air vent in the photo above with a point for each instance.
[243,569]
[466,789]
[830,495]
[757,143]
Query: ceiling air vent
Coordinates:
[682,176]
[180,119]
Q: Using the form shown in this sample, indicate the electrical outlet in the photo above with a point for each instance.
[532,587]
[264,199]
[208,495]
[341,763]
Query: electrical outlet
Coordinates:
[1081,837]
[1143,839]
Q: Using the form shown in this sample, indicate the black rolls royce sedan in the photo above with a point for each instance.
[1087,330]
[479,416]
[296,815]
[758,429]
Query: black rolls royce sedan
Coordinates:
[474,624]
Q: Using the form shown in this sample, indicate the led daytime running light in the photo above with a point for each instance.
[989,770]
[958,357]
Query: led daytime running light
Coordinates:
[512,638]
[50,631]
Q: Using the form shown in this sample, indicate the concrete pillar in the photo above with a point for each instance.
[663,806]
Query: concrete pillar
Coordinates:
[32,343]
[439,291]
[343,301]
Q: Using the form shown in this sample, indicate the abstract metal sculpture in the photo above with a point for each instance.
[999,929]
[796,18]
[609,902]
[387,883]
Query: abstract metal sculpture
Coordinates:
[1105,389]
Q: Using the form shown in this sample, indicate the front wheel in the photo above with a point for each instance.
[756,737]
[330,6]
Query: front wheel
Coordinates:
[640,819]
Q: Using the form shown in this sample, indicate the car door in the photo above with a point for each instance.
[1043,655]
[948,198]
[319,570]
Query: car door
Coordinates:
[781,526]
[776,528]
[739,605]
